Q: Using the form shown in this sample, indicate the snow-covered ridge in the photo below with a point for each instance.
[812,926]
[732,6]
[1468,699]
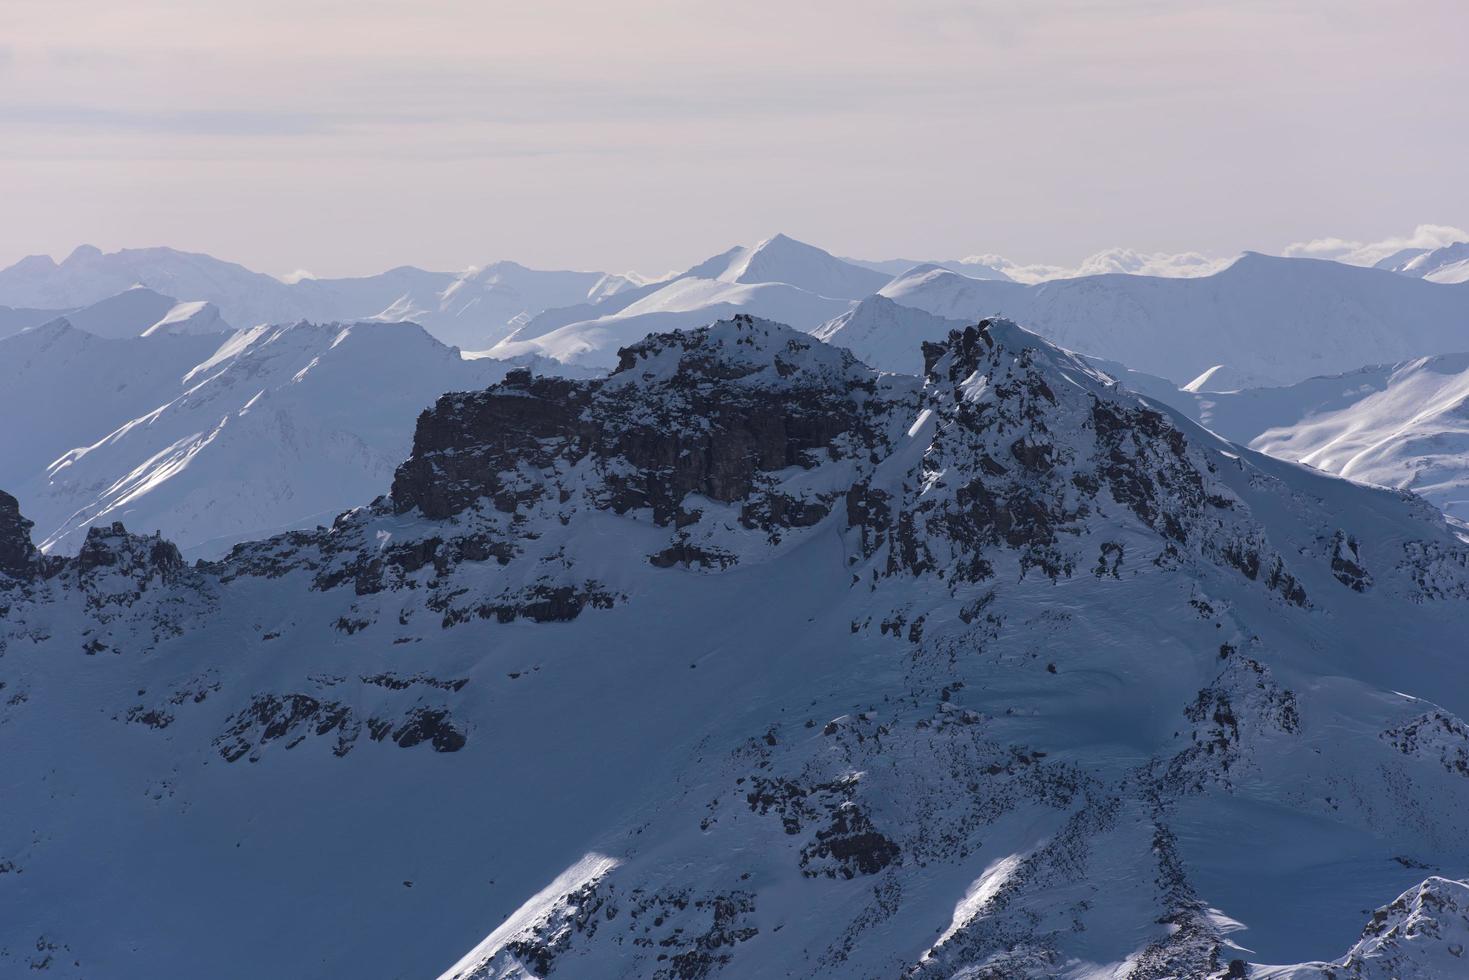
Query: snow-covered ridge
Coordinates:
[472,309]
[1267,318]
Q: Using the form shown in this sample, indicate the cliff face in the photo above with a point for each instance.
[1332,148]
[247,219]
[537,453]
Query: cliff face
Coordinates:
[747,660]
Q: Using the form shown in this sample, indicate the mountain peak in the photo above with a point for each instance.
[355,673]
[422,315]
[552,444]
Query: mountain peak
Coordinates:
[783,259]
[83,253]
[742,347]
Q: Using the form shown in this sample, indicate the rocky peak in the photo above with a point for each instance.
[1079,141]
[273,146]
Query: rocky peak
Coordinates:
[743,348]
[139,557]
[701,411]
[1029,448]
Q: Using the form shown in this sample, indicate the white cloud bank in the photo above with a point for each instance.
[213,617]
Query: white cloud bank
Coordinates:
[1370,253]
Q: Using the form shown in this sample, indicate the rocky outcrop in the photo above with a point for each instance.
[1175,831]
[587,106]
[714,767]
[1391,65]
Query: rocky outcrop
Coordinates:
[700,412]
[18,556]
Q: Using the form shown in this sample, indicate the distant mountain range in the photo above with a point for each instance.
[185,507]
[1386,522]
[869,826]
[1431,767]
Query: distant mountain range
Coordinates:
[470,309]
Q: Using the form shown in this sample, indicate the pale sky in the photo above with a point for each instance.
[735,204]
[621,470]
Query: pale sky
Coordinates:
[347,137]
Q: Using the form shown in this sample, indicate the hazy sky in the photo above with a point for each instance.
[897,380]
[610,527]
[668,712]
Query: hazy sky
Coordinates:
[346,137]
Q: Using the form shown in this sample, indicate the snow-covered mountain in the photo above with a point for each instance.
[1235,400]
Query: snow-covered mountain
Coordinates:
[134,312]
[886,335]
[779,278]
[1403,425]
[213,440]
[783,259]
[1273,319]
[749,662]
[1447,263]
[472,309]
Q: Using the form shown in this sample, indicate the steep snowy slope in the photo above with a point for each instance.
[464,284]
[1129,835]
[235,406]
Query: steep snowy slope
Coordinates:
[65,387]
[471,309]
[748,662]
[1403,425]
[1270,318]
[277,428]
[1448,263]
[199,317]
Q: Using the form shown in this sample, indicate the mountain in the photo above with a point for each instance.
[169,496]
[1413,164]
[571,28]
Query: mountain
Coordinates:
[133,312]
[783,259]
[473,309]
[199,317]
[746,661]
[127,314]
[213,440]
[779,278]
[1448,263]
[1403,425]
[882,333]
[1273,319]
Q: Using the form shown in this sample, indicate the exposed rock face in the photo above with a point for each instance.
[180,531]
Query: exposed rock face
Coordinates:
[704,412]
[18,556]
[464,444]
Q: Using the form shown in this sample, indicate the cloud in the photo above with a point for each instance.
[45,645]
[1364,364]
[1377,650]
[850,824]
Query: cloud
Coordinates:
[1370,253]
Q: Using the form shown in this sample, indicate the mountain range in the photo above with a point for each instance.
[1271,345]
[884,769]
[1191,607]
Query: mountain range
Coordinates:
[470,309]
[749,660]
[1260,322]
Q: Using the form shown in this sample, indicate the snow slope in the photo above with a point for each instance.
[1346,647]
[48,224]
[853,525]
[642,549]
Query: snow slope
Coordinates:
[1403,425]
[1280,320]
[749,662]
[277,427]
[198,317]
[71,388]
